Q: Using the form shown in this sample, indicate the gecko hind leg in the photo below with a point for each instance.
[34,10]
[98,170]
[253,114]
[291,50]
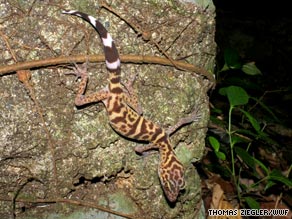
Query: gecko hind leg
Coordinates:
[193,117]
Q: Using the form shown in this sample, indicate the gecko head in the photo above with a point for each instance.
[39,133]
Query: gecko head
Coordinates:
[171,176]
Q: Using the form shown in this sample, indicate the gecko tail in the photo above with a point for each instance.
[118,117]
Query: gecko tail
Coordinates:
[112,58]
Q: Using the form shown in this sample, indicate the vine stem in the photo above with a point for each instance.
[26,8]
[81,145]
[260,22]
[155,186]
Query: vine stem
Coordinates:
[231,142]
[236,182]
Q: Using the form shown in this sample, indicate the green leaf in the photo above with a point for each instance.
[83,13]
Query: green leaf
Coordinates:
[247,132]
[220,155]
[251,69]
[236,95]
[250,160]
[232,58]
[238,139]
[245,157]
[252,120]
[269,185]
[261,165]
[261,135]
[265,107]
[276,175]
[225,68]
[252,203]
[216,146]
[215,143]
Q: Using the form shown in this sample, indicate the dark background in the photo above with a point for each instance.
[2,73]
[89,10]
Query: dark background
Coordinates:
[261,31]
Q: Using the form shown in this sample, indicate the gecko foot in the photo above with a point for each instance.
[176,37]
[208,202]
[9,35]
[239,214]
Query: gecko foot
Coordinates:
[80,71]
[143,149]
[193,117]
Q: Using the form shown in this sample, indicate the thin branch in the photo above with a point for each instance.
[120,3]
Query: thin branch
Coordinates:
[8,69]
[72,202]
[5,38]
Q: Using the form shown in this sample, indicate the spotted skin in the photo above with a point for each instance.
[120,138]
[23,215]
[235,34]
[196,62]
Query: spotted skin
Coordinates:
[125,114]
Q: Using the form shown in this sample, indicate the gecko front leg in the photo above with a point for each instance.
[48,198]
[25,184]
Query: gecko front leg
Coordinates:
[80,71]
